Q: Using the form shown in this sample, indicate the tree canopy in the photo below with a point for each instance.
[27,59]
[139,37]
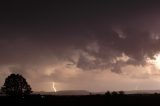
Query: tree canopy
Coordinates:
[16,84]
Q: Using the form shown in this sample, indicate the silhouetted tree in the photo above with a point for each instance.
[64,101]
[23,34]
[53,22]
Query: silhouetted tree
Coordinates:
[16,85]
[114,93]
[107,93]
[155,93]
[121,92]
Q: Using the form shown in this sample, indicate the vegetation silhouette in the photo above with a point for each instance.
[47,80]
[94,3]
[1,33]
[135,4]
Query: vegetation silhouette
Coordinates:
[16,85]
[121,92]
[114,93]
[108,93]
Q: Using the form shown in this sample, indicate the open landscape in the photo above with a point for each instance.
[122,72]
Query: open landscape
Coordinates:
[80,52]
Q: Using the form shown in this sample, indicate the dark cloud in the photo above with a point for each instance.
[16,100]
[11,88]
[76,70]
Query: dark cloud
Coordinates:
[137,43]
[76,43]
[104,31]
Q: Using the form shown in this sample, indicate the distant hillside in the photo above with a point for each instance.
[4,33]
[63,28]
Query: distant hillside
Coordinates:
[84,92]
[65,92]
[72,92]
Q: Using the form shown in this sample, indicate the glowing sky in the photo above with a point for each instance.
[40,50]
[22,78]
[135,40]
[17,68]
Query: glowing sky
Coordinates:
[96,46]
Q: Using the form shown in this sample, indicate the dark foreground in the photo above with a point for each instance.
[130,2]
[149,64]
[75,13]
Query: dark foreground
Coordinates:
[90,100]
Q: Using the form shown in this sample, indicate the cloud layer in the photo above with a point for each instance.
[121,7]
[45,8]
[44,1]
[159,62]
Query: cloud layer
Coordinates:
[80,42]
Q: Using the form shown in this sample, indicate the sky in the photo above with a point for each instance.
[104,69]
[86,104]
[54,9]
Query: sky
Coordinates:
[82,45]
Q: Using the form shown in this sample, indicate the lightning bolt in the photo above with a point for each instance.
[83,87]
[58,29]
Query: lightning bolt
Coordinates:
[54,87]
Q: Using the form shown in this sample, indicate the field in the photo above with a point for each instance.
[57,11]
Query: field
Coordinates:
[99,100]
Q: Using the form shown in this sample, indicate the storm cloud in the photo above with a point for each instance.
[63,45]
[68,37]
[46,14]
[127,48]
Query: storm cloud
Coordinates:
[60,41]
